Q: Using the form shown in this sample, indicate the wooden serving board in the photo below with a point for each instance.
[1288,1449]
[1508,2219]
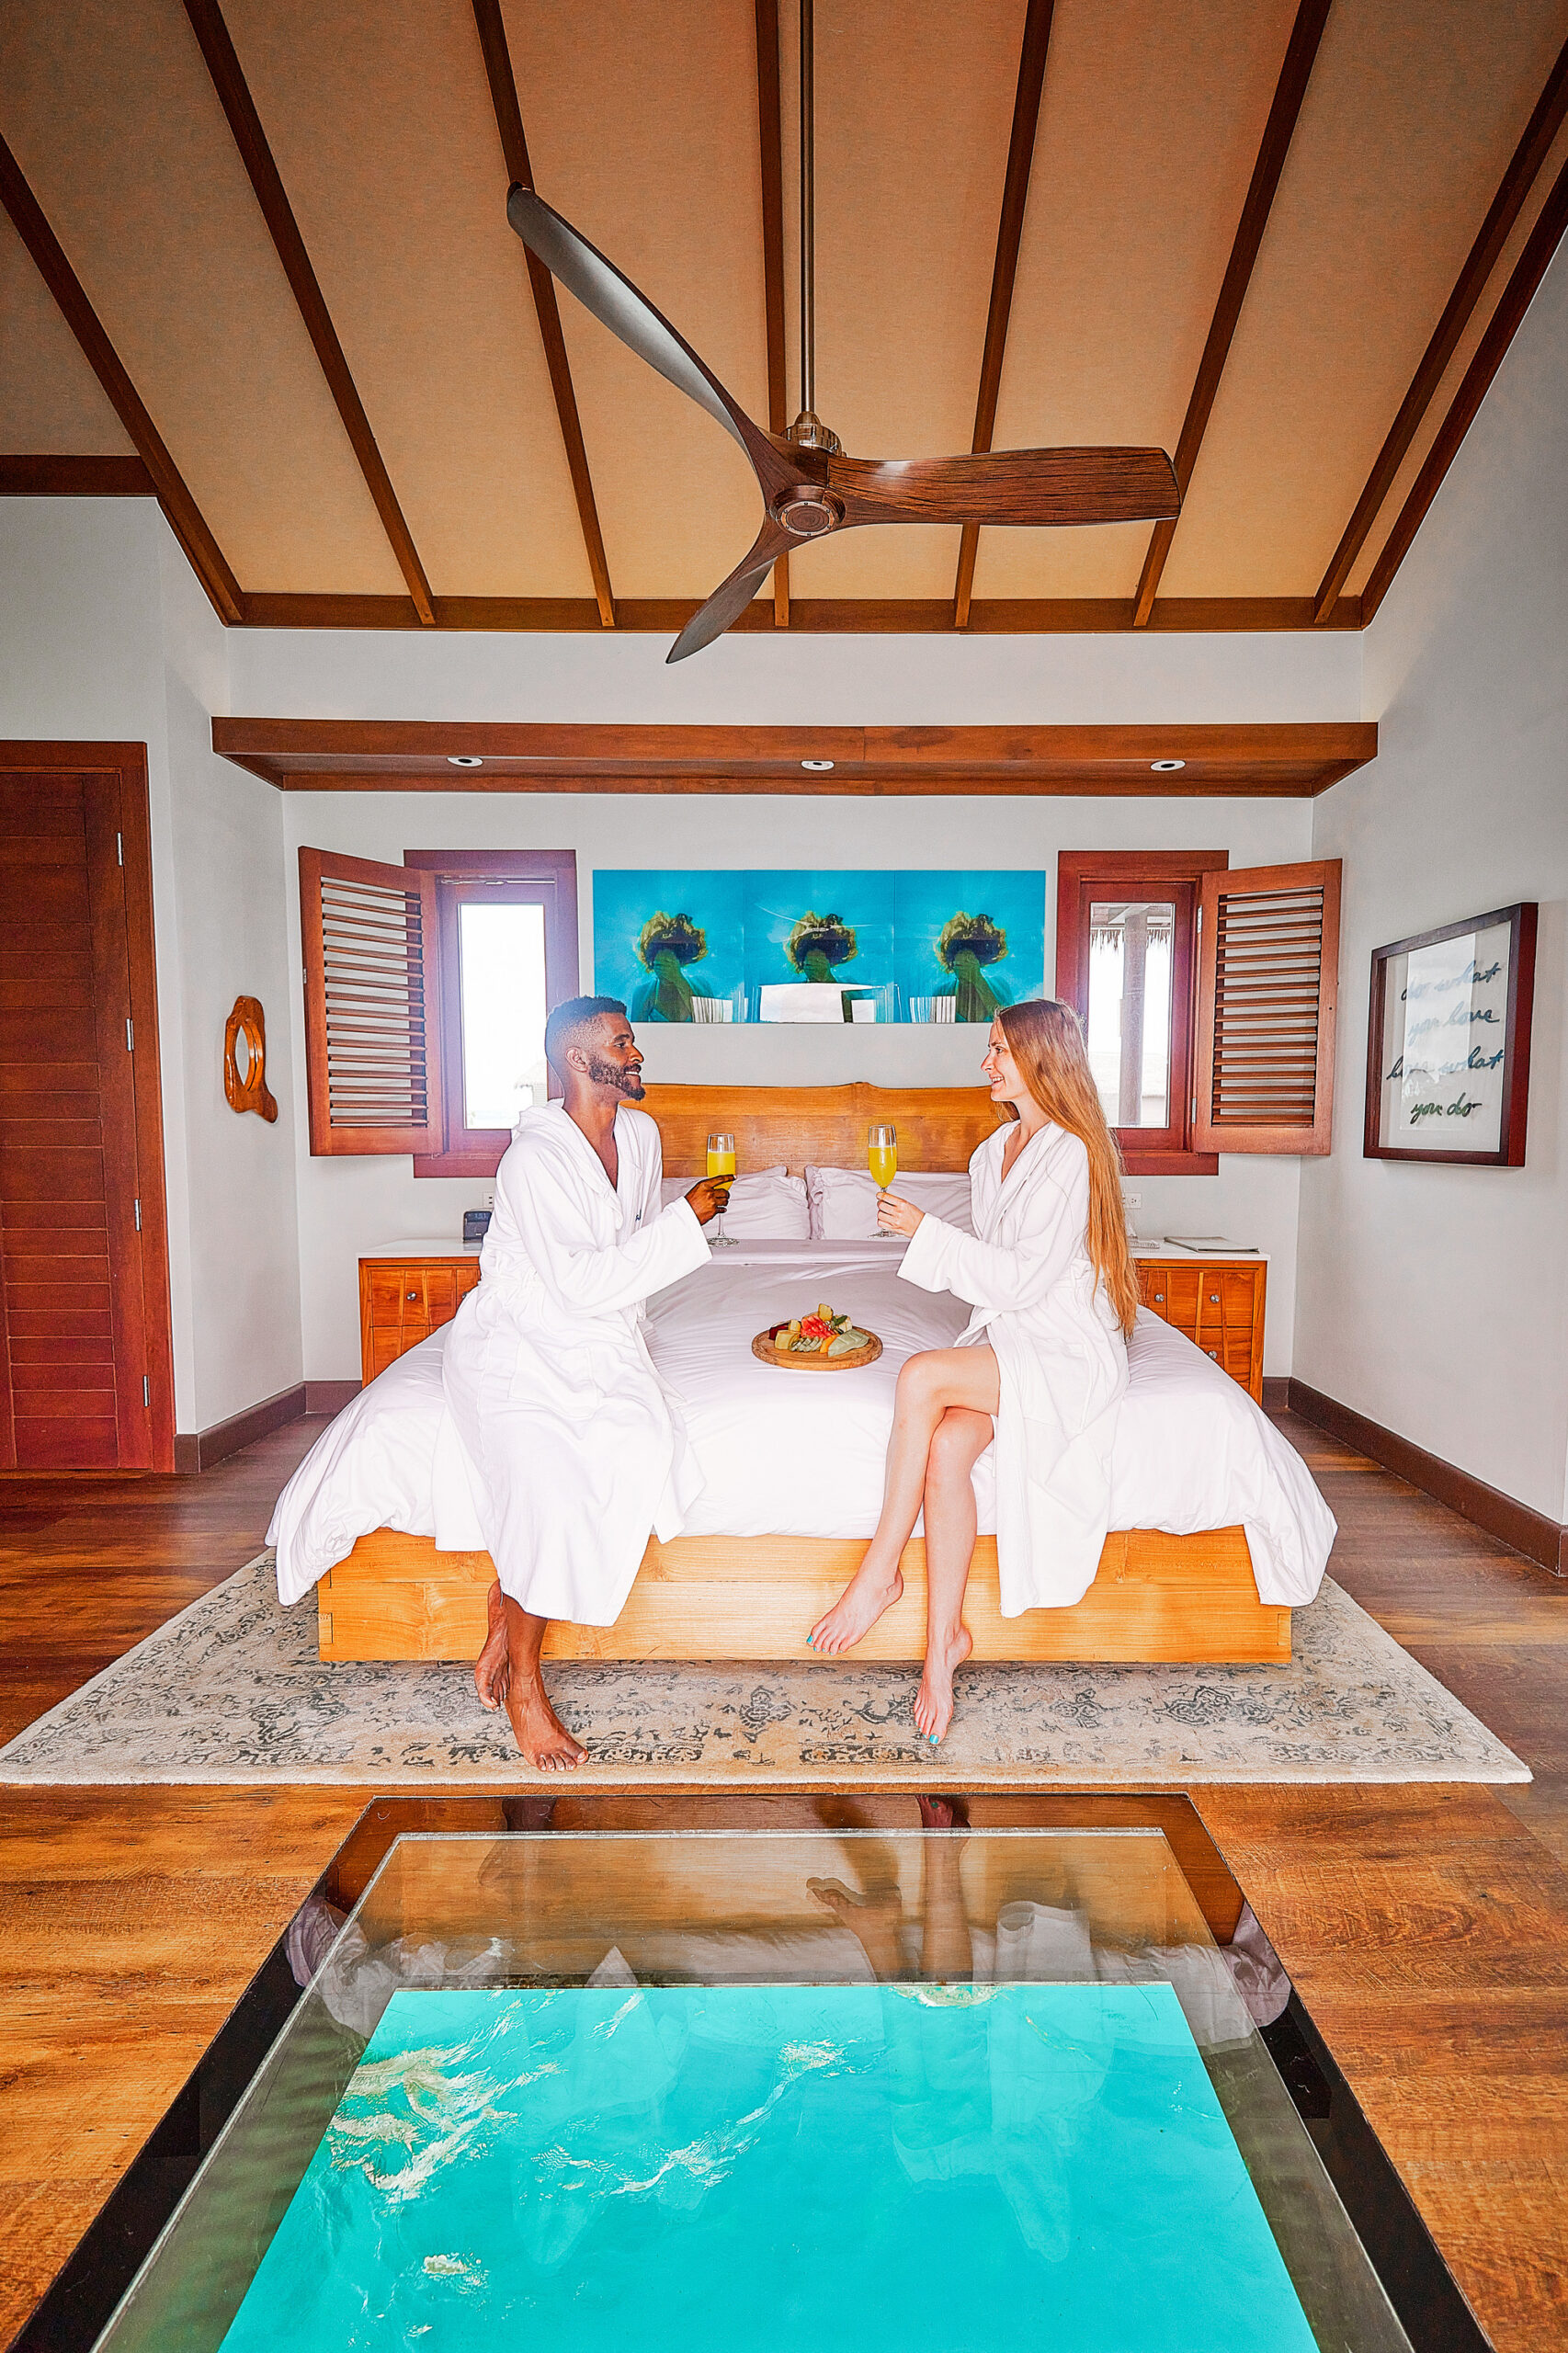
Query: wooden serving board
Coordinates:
[787,1361]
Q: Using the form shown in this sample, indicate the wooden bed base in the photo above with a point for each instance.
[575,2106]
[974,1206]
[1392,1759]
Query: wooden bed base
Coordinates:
[1155,1598]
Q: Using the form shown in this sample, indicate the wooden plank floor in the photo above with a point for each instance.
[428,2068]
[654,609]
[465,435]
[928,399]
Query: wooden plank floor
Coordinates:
[1428,1927]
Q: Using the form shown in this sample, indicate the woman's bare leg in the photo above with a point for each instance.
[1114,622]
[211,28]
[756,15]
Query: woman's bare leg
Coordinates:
[928,1384]
[538,1730]
[957,1444]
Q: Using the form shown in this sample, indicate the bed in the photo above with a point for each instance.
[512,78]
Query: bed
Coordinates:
[1217,1529]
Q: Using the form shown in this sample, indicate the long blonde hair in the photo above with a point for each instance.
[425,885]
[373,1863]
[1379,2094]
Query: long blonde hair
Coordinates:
[1046,1042]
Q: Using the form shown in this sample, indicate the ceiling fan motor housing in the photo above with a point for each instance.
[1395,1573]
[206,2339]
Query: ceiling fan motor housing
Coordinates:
[806,511]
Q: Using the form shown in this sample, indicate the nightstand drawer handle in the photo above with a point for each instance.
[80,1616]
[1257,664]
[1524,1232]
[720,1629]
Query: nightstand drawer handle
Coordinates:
[411,1294]
[1213,1298]
[1159,1298]
[1212,1352]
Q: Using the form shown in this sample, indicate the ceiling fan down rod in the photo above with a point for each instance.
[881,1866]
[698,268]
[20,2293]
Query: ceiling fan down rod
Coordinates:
[808,212]
[808,432]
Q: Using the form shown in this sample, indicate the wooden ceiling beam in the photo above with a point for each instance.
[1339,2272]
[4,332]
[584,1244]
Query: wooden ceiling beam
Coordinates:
[1292,760]
[492,31]
[1524,167]
[48,476]
[770,133]
[185,517]
[1301,55]
[1490,352]
[823,616]
[1009,233]
[234,98]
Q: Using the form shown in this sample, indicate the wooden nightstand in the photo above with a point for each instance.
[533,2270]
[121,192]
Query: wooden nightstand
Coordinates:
[407,1290]
[1217,1300]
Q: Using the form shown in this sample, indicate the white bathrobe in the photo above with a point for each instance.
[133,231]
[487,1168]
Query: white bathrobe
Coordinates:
[1058,1349]
[577,1450]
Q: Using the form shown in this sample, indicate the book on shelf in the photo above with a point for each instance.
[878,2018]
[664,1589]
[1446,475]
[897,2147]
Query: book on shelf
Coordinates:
[1200,1244]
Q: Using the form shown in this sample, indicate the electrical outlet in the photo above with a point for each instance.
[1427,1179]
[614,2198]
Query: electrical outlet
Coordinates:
[488,1199]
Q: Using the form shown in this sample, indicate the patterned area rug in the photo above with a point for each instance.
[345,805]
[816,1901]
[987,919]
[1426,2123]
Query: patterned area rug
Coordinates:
[231,1690]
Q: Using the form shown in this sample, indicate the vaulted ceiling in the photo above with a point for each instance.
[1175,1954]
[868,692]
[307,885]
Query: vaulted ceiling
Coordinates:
[256,260]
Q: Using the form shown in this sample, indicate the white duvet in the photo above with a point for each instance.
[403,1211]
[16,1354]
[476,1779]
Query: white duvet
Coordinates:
[801,1453]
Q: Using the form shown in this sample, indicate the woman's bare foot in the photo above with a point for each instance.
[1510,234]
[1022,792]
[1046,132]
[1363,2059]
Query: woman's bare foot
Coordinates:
[856,1611]
[544,1740]
[874,1920]
[491,1667]
[934,1700]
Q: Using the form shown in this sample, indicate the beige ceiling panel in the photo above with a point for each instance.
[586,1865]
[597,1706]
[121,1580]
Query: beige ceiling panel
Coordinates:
[913,108]
[1149,130]
[1413,112]
[1453,375]
[108,107]
[641,128]
[878,560]
[51,402]
[379,117]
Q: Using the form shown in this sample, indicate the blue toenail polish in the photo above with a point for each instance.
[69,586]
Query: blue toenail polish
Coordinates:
[932,1738]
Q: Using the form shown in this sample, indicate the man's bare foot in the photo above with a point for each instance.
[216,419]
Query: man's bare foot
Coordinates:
[544,1740]
[874,1920]
[934,1700]
[492,1668]
[855,1612]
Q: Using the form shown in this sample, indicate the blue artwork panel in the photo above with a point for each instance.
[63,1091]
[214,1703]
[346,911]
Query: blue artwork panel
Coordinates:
[669,945]
[818,928]
[968,943]
[847,2168]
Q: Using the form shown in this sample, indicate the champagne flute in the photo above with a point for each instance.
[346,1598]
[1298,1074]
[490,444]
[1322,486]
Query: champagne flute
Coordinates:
[720,1162]
[881,1157]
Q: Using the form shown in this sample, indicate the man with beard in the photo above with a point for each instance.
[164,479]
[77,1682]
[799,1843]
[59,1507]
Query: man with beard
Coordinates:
[575,1448]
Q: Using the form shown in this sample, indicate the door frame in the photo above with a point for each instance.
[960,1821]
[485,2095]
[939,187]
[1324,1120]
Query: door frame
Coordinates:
[128,763]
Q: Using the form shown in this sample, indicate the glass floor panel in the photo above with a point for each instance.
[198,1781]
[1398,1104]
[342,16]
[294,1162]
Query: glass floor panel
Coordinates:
[804,2087]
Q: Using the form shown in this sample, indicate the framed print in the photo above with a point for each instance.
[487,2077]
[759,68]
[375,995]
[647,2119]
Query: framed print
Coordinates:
[1448,1042]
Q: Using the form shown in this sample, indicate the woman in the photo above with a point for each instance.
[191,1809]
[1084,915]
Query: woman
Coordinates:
[1042,1366]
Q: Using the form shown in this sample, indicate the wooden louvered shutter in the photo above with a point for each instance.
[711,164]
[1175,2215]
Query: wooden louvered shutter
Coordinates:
[1268,984]
[372,1026]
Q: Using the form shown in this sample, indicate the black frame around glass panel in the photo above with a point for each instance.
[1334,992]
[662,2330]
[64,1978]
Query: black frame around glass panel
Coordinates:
[1418,2284]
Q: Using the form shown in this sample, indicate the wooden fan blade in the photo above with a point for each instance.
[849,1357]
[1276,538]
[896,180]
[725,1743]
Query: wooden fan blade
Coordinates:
[1027,486]
[730,598]
[628,314]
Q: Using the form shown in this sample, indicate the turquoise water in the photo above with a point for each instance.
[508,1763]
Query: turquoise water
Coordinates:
[839,2168]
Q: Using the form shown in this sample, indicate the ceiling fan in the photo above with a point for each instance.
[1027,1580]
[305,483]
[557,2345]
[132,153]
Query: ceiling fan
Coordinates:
[809,487]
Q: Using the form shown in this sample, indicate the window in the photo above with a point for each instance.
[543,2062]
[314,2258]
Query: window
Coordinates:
[426,986]
[1126,927]
[1206,996]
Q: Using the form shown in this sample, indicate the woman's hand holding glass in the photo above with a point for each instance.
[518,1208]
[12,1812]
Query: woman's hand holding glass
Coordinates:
[896,1216]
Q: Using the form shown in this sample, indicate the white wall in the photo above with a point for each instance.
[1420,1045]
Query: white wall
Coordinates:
[105,635]
[1436,1300]
[349,1204]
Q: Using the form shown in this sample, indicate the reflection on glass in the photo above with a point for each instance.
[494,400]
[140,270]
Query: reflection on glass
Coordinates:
[1130,1009]
[501,971]
[512,2104]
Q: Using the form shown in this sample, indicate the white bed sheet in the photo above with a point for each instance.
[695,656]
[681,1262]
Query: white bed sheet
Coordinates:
[801,1453]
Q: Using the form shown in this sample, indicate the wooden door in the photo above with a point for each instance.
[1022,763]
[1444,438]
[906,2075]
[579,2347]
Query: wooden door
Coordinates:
[83,1292]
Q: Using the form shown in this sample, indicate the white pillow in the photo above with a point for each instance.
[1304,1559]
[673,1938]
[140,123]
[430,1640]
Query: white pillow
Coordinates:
[767,1205]
[844,1200]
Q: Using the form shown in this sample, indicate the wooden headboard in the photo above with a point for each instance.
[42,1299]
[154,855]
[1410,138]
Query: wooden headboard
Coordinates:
[938,1127]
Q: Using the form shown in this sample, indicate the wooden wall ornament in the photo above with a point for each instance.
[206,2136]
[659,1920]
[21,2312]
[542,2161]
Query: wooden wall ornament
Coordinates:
[248,1091]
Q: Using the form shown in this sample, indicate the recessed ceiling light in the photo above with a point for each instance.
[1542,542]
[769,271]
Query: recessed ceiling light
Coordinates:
[1166,768]
[465,760]
[818,768]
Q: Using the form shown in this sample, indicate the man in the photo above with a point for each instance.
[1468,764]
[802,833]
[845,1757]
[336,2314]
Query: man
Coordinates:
[577,1448]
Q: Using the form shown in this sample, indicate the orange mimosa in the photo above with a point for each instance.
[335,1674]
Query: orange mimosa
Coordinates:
[881,1155]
